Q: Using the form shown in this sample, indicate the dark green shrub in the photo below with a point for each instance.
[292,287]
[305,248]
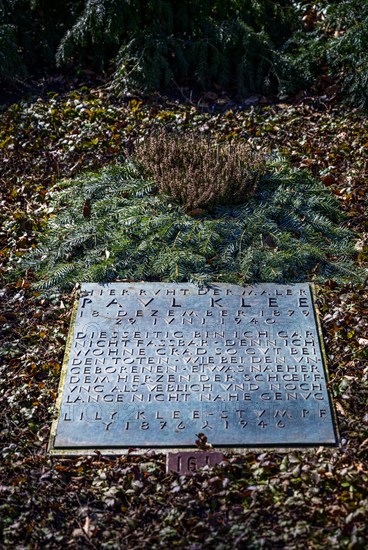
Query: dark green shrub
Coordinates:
[333,50]
[199,173]
[229,53]
[150,43]
[112,226]
[347,51]
[11,65]
[37,27]
[157,41]
[243,45]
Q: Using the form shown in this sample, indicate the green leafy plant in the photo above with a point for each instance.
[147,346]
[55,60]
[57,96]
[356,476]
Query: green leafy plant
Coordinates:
[199,173]
[114,226]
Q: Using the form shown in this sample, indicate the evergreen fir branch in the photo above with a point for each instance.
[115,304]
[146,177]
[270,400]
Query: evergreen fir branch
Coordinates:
[135,235]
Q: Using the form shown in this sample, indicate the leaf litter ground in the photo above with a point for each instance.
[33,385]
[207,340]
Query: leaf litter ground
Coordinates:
[313,499]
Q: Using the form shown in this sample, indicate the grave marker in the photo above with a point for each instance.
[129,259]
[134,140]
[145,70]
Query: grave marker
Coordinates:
[150,365]
[188,462]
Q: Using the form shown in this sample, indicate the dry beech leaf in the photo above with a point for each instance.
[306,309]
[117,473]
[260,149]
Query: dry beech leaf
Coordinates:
[340,408]
[87,209]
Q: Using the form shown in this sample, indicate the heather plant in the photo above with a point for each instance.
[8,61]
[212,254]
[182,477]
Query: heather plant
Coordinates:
[199,173]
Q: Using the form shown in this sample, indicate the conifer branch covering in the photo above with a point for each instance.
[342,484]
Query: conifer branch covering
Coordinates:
[288,231]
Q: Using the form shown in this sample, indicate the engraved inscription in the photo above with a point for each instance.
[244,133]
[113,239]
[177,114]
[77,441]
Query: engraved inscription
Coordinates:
[186,463]
[152,364]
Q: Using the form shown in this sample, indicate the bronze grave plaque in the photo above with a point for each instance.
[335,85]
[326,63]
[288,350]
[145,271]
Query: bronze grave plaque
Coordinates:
[150,365]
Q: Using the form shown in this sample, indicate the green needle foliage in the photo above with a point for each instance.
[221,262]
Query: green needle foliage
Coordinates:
[113,225]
